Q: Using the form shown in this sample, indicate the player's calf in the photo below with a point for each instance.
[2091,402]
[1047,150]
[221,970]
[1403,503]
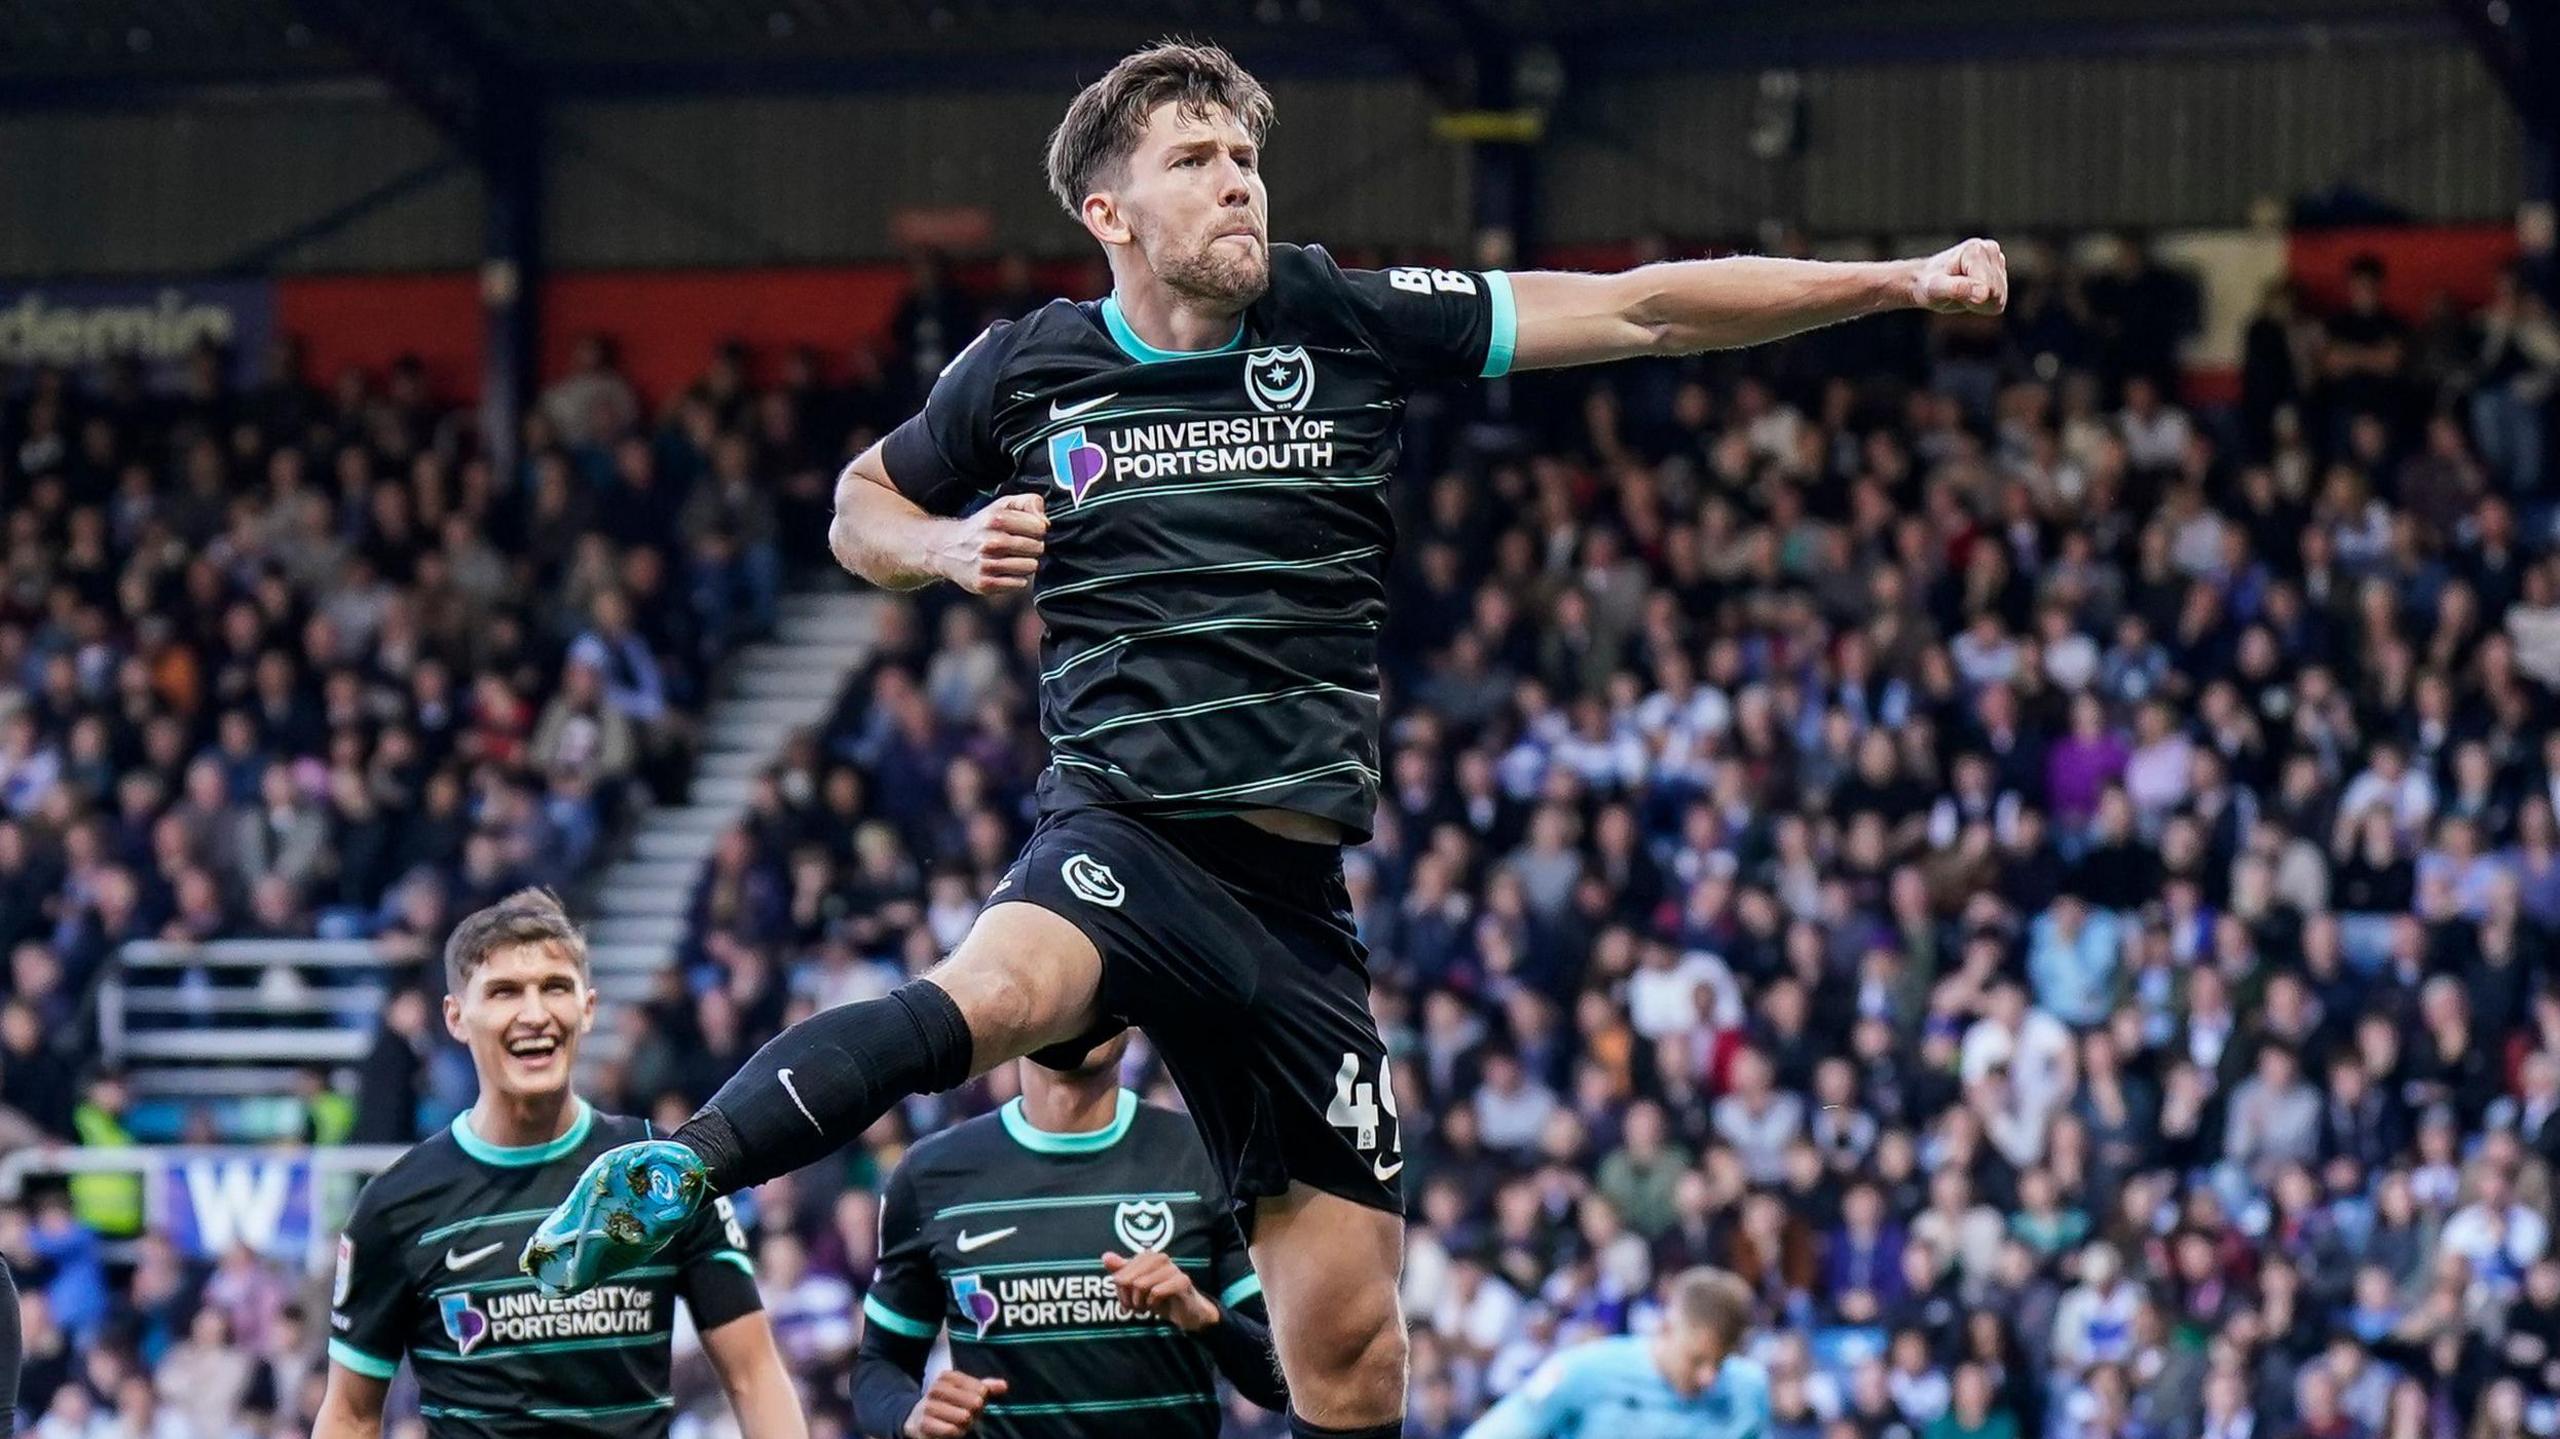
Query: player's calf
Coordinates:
[1328,1269]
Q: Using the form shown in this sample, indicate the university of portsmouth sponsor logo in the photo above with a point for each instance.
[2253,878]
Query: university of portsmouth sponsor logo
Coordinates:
[975,1303]
[1074,463]
[528,1317]
[1279,380]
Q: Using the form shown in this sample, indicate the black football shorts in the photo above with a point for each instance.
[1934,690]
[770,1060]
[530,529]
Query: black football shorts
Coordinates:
[1234,950]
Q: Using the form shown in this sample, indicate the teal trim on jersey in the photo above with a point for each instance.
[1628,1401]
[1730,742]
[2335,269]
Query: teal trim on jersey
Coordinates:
[1240,1291]
[1081,1336]
[564,1346]
[1093,1141]
[1058,1266]
[1105,1406]
[1063,1201]
[525,1281]
[509,1217]
[1232,567]
[1506,327]
[1196,487]
[608,1411]
[731,1256]
[354,1360]
[1146,354]
[1213,706]
[895,1322]
[523,1156]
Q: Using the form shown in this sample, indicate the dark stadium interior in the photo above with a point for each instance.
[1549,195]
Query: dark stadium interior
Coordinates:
[2030,839]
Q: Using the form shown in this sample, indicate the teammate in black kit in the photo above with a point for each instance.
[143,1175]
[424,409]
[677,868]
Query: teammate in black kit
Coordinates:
[1087,1262]
[1189,478]
[423,1266]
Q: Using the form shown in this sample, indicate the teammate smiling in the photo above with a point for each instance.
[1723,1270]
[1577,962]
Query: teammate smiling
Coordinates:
[1209,689]
[422,1268]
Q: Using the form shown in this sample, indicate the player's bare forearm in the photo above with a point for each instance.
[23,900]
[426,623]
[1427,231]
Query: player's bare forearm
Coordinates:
[760,1390]
[878,533]
[890,540]
[352,1407]
[1684,307]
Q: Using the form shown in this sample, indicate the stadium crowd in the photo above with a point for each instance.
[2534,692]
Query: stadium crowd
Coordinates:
[2058,889]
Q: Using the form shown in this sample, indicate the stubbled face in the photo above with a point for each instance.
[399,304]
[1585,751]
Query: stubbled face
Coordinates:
[1192,200]
[522,1013]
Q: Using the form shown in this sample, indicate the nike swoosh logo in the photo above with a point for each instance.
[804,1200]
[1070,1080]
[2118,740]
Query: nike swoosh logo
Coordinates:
[797,1102]
[1384,1170]
[969,1243]
[459,1262]
[1068,412]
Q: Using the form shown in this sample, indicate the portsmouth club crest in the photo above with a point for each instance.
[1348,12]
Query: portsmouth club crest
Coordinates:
[975,1303]
[1074,462]
[1144,1225]
[1280,380]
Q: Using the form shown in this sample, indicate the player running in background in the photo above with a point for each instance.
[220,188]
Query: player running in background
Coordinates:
[1086,1260]
[423,1266]
[1190,479]
[1684,1382]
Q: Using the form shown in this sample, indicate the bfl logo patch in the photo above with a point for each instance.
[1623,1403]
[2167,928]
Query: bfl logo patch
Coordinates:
[1144,1225]
[1279,380]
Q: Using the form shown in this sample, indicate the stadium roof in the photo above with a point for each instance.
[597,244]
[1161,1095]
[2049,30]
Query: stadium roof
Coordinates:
[76,51]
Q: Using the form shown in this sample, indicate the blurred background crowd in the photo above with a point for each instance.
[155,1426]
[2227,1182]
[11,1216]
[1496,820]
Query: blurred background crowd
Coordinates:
[2057,888]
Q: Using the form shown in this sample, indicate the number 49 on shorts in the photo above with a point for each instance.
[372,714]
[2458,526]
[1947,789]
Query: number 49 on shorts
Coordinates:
[1356,1106]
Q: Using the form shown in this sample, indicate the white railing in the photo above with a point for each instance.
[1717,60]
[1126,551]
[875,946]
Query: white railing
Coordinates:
[287,1203]
[313,1001]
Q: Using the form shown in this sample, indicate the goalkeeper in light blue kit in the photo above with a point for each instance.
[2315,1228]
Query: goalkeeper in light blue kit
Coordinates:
[1684,1382]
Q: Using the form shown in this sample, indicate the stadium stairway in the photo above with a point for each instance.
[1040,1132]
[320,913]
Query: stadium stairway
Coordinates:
[635,909]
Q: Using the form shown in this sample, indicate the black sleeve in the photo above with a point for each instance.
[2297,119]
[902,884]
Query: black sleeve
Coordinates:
[888,1379]
[1240,1345]
[906,1290]
[947,452]
[718,1279]
[369,1302]
[1429,324]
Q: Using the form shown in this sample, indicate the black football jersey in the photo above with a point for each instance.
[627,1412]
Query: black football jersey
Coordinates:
[427,1268]
[996,1230]
[1219,530]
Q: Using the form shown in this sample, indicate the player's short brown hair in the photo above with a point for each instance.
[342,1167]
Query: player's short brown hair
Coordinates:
[528,916]
[1714,1300]
[1104,124]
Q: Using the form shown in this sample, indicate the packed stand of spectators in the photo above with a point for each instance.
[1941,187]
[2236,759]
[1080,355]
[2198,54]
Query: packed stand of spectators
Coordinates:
[2056,887]
[283,662]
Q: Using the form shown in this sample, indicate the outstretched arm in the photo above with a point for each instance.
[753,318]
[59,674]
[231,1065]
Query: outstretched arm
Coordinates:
[1686,306]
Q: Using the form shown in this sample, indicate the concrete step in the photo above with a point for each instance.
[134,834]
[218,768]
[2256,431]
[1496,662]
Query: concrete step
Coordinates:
[635,929]
[635,901]
[706,820]
[722,791]
[648,874]
[627,956]
[690,845]
[732,764]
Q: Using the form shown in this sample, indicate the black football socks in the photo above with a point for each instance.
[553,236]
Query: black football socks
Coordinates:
[820,1083]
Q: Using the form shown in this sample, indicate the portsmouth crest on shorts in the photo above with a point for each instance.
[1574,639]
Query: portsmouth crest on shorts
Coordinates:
[1145,1225]
[1092,881]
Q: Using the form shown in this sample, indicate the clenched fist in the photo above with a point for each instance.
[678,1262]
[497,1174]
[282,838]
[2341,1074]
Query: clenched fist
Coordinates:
[950,1408]
[1969,279]
[996,550]
[1153,1284]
